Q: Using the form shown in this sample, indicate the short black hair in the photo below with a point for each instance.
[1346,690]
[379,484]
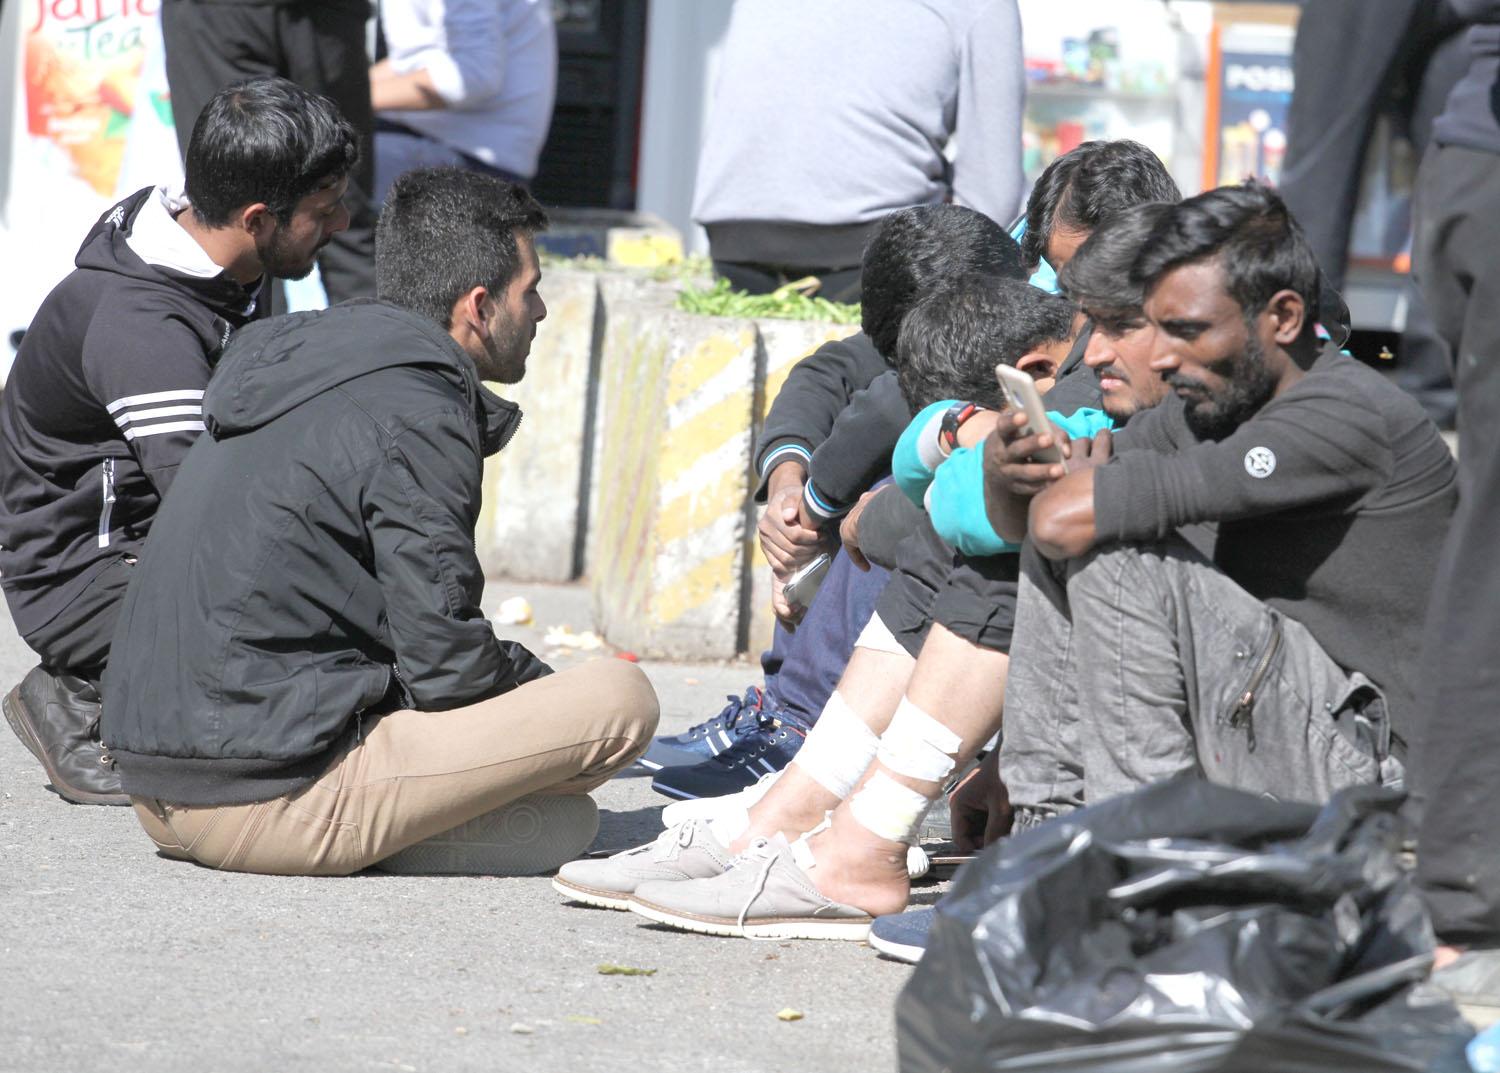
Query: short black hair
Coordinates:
[1255,238]
[265,140]
[445,231]
[1086,186]
[953,338]
[1098,277]
[916,249]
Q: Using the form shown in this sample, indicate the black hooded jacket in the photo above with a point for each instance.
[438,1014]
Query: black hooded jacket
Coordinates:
[103,401]
[314,563]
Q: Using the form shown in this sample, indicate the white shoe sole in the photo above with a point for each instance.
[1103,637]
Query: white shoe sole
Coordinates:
[591,896]
[899,951]
[844,930]
[535,834]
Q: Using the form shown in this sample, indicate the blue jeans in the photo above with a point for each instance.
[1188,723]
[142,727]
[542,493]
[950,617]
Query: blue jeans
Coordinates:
[802,668]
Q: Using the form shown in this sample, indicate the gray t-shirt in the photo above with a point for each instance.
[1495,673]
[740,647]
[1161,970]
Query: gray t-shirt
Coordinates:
[837,112]
[1332,505]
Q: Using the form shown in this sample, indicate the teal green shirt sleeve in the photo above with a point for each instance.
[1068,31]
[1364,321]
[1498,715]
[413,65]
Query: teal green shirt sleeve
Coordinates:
[955,498]
[911,467]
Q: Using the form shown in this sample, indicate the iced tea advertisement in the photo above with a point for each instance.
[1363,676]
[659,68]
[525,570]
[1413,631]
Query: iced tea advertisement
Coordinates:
[83,67]
[91,123]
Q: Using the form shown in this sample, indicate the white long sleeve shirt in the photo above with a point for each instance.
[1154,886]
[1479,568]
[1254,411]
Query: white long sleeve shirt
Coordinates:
[494,62]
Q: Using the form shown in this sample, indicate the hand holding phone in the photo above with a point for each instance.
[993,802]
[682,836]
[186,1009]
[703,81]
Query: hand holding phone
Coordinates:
[802,586]
[1021,393]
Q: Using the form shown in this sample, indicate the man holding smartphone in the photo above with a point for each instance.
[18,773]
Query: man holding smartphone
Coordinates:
[1276,664]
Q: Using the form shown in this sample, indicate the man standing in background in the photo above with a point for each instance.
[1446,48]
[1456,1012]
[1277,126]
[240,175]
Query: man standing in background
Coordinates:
[828,116]
[466,83]
[1455,770]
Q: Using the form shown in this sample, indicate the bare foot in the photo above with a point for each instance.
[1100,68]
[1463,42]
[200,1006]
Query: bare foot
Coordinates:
[794,805]
[859,868]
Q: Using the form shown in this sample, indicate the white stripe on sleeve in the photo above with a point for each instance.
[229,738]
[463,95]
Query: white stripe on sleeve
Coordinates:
[157,430]
[155,396]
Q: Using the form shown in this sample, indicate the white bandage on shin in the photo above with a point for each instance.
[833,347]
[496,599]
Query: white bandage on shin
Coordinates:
[878,637]
[886,808]
[838,749]
[918,746]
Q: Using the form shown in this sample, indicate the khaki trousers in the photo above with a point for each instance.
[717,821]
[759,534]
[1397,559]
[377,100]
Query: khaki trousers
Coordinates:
[416,774]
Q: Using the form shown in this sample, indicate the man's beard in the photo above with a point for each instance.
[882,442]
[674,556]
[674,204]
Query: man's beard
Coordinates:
[279,261]
[1248,385]
[505,353]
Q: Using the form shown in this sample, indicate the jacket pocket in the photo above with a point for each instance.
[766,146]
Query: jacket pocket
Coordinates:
[1240,716]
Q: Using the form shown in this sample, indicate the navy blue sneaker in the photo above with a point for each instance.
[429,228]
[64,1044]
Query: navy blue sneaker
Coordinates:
[902,936]
[709,738]
[767,746]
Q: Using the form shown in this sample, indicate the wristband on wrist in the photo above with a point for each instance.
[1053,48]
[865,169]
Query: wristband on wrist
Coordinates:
[953,419]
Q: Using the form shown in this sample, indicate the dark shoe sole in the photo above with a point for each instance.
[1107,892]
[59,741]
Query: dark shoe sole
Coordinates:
[19,718]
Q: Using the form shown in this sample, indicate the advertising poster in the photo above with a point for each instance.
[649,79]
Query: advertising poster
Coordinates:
[91,122]
[1250,99]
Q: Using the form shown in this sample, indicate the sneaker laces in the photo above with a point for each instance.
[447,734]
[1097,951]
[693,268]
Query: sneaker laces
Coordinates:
[762,855]
[732,717]
[673,841]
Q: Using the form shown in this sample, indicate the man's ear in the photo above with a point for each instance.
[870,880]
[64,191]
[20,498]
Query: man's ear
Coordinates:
[257,219]
[468,312]
[1288,315]
[1038,364]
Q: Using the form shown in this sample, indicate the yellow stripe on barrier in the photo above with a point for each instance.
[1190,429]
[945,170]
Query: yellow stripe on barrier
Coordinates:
[697,587]
[702,434]
[702,507]
[707,360]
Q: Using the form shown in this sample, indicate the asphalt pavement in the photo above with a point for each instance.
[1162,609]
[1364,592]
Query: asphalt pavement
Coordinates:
[112,958]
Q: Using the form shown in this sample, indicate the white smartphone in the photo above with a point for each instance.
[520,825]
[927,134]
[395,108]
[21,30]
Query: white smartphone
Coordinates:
[802,586]
[1020,391]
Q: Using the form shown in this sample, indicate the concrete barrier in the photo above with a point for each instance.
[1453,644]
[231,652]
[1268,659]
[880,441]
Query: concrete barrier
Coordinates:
[533,521]
[625,239]
[677,398]
[633,462]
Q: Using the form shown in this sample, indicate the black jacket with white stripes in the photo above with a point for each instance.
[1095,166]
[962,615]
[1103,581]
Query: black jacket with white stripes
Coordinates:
[104,399]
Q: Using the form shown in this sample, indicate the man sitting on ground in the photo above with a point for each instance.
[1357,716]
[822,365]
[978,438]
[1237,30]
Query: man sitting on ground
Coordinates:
[304,682]
[105,396]
[1284,664]
[949,344]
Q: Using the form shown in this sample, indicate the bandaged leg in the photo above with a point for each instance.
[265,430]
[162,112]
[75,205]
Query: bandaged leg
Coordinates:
[839,749]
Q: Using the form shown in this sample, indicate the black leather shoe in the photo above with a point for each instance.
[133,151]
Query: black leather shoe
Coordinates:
[57,718]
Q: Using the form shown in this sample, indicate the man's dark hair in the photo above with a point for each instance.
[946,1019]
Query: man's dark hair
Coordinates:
[1086,186]
[445,231]
[265,140]
[916,249]
[953,338]
[1255,238]
[1098,277]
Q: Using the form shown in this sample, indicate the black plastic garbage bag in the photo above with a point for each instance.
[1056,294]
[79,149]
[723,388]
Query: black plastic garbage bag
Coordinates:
[1185,928]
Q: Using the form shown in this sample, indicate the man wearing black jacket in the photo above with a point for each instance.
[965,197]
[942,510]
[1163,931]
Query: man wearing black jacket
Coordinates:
[105,396]
[1286,662]
[303,681]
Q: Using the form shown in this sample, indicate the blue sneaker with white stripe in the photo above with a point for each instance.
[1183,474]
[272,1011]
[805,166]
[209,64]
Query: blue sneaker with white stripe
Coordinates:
[768,746]
[709,738]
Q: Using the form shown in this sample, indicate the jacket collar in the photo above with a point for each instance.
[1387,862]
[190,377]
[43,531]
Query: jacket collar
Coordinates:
[498,420]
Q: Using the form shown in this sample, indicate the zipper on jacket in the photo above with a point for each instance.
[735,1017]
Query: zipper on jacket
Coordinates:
[107,495]
[1242,715]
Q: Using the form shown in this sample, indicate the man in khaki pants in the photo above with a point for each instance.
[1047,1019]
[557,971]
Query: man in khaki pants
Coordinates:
[303,681]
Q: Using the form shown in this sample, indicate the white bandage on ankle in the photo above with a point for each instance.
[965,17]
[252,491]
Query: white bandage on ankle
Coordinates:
[886,808]
[729,825]
[838,749]
[918,746]
[878,636]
